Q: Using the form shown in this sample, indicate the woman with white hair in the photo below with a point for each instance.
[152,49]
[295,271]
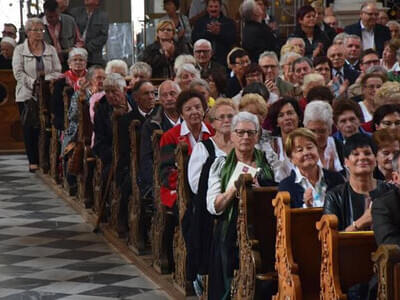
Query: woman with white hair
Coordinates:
[7,46]
[185,75]
[139,71]
[286,65]
[257,36]
[30,59]
[222,197]
[183,59]
[318,118]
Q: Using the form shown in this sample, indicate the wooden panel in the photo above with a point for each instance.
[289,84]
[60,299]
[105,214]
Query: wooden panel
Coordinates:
[11,138]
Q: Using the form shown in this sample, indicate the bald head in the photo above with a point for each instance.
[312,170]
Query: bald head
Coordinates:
[168,92]
[336,53]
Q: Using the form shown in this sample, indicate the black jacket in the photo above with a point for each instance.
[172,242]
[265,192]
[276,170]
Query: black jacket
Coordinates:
[257,38]
[329,31]
[296,191]
[319,37]
[349,206]
[381,34]
[221,43]
[386,218]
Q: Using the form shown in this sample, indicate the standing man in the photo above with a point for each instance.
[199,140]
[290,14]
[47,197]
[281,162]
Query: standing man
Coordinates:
[373,35]
[352,48]
[217,29]
[93,26]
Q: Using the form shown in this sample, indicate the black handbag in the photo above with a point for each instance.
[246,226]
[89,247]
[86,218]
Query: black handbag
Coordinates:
[30,114]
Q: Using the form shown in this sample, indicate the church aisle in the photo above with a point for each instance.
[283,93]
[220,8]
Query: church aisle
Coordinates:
[48,252]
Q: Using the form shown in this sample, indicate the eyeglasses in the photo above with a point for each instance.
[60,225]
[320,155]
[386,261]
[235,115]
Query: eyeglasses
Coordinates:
[371,62]
[224,117]
[166,29]
[37,30]
[242,63]
[8,33]
[202,51]
[242,132]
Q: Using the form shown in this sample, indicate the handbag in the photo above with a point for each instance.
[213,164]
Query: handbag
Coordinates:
[30,114]
[75,163]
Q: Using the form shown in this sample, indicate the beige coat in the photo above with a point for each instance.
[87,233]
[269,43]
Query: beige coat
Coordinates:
[24,68]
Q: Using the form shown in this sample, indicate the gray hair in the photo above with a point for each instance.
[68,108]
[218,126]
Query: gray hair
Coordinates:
[270,54]
[183,59]
[175,85]
[201,42]
[368,2]
[91,71]
[188,68]
[247,9]
[287,56]
[141,67]
[78,51]
[296,38]
[351,36]
[377,69]
[393,22]
[301,60]
[116,63]
[395,161]
[318,111]
[32,21]
[245,116]
[200,82]
[340,36]
[114,80]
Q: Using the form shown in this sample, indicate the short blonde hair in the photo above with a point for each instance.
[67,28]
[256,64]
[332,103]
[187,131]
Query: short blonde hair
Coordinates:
[388,93]
[290,48]
[255,99]
[163,24]
[299,132]
[312,77]
[218,103]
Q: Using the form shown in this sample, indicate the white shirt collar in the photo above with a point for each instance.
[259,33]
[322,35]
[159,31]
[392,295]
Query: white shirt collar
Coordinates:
[143,113]
[172,121]
[185,129]
[300,178]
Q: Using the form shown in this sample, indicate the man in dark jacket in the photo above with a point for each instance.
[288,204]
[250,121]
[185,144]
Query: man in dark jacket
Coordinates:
[373,35]
[341,70]
[216,28]
[93,26]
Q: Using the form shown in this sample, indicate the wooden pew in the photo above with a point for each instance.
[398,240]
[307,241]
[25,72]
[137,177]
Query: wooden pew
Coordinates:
[97,186]
[136,240]
[345,258]
[179,248]
[67,95]
[158,224]
[298,250]
[45,126]
[387,268]
[256,239]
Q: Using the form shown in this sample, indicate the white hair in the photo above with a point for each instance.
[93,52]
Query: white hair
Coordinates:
[32,21]
[291,39]
[188,68]
[183,59]
[247,9]
[8,40]
[245,116]
[312,77]
[351,36]
[200,82]
[116,63]
[318,111]
[78,51]
[393,22]
[141,67]
[339,36]
[201,42]
[270,54]
[287,56]
[114,80]
[174,84]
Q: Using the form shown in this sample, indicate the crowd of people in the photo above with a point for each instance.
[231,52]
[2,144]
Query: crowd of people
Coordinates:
[316,114]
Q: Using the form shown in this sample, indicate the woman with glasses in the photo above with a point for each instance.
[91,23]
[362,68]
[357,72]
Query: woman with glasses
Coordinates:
[161,54]
[308,182]
[370,83]
[222,199]
[386,116]
[31,59]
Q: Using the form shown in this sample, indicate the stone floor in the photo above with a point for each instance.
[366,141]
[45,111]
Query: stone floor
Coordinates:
[48,252]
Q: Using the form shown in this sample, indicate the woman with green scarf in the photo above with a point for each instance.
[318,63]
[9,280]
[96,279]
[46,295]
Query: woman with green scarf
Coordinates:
[222,200]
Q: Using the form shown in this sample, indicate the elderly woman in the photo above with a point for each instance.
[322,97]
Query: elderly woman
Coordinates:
[185,75]
[317,42]
[387,143]
[32,58]
[308,181]
[351,201]
[286,66]
[74,77]
[318,119]
[162,53]
[222,198]
[138,71]
[394,28]
[192,106]
[310,81]
[7,46]
[389,54]
[183,59]
[257,36]
[386,116]
[370,83]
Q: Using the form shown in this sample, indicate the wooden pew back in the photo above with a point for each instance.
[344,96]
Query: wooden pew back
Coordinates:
[256,238]
[298,250]
[44,117]
[345,257]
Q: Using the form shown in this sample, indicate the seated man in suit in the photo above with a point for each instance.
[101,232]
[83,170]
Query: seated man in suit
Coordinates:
[340,70]
[373,35]
[203,53]
[352,47]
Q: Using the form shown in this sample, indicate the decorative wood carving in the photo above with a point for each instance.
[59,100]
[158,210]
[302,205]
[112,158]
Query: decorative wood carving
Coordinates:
[387,268]
[44,130]
[136,239]
[158,224]
[179,275]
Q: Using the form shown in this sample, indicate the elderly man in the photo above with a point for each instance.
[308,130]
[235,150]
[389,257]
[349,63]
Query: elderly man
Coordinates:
[164,117]
[10,31]
[203,53]
[217,29]
[301,67]
[93,26]
[61,31]
[340,70]
[269,64]
[373,35]
[7,46]
[297,42]
[352,48]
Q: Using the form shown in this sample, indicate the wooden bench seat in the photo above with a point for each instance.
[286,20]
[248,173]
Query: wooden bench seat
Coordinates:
[345,258]
[298,250]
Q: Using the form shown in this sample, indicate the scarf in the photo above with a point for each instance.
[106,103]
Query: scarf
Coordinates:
[73,79]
